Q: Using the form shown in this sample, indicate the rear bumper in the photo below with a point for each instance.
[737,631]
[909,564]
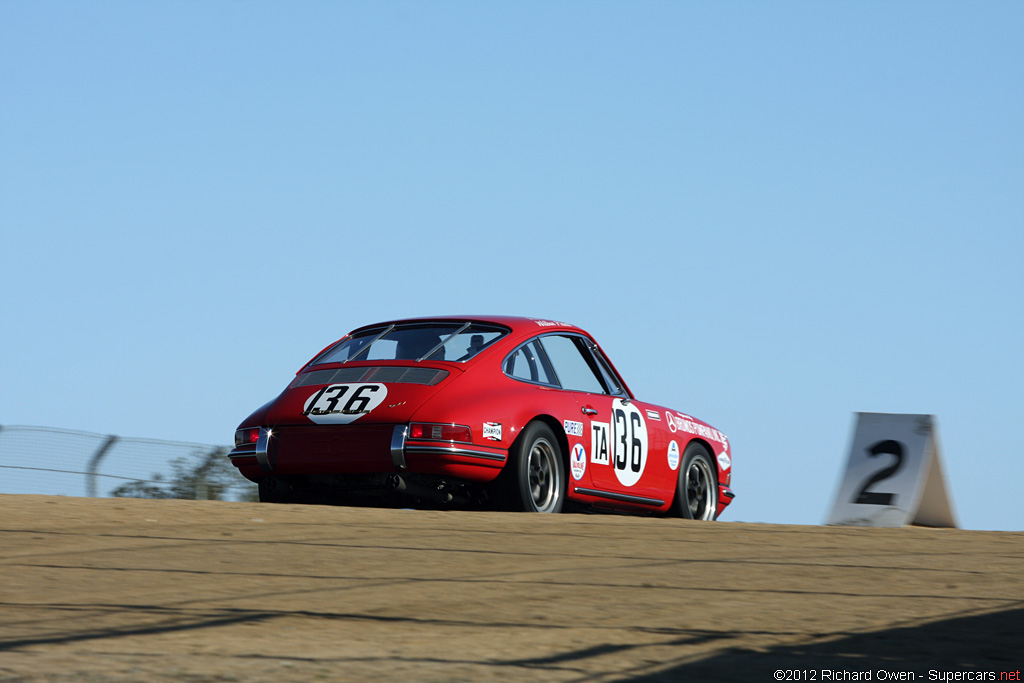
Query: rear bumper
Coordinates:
[363,449]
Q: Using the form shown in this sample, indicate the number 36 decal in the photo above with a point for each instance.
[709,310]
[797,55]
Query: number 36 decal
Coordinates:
[629,443]
[343,403]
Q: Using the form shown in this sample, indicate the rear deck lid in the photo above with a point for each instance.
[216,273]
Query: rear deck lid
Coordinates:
[366,394]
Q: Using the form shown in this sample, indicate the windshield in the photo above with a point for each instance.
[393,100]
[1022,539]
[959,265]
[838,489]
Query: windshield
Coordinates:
[455,341]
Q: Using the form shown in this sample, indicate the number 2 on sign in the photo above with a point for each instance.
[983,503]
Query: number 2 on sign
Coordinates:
[865,497]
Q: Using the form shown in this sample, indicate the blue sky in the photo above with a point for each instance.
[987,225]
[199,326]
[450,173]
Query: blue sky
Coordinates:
[770,214]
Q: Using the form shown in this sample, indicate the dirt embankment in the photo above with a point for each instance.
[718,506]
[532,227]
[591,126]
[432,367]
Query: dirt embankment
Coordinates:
[139,590]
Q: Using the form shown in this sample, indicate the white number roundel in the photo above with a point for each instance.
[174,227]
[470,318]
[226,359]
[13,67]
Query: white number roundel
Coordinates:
[629,439]
[343,403]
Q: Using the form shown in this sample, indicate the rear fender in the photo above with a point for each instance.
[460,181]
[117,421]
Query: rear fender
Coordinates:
[556,427]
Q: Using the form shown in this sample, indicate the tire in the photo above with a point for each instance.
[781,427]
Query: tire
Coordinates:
[273,490]
[538,481]
[697,487]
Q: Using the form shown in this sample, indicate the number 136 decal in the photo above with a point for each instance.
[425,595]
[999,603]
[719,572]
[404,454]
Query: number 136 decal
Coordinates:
[343,403]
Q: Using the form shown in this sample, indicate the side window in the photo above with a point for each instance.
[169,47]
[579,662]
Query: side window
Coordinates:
[572,368]
[527,364]
[610,381]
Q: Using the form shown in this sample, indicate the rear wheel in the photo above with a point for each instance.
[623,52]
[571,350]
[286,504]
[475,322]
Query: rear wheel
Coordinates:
[538,484]
[273,490]
[697,488]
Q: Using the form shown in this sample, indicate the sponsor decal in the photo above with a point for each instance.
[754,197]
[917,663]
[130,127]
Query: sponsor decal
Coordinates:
[550,323]
[673,455]
[343,403]
[573,428]
[629,442]
[599,443]
[724,460]
[578,461]
[684,423]
[653,414]
[492,431]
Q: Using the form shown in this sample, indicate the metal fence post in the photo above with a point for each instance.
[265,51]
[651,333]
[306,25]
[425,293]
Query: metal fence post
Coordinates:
[202,490]
[94,464]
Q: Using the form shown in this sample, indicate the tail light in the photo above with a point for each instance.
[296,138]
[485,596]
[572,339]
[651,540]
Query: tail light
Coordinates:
[246,437]
[440,432]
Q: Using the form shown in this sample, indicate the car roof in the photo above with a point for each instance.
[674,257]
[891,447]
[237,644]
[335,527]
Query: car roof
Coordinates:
[521,328]
[518,324]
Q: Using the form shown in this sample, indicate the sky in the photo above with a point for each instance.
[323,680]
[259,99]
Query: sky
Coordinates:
[771,215]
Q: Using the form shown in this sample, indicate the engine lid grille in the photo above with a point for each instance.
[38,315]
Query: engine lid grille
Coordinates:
[382,374]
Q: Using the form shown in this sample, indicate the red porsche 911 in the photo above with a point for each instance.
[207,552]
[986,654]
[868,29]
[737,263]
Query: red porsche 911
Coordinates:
[494,412]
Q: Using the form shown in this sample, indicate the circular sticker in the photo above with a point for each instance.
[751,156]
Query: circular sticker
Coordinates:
[578,461]
[673,455]
[629,440]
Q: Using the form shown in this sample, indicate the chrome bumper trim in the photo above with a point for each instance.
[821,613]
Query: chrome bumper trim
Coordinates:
[398,446]
[621,497]
[263,449]
[248,453]
[463,452]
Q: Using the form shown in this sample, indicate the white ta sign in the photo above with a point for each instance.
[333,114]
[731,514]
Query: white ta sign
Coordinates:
[894,475]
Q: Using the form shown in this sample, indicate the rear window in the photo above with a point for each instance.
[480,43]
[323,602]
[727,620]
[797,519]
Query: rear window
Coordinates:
[456,341]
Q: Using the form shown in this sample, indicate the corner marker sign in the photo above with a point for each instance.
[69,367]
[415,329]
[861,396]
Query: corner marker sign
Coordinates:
[894,475]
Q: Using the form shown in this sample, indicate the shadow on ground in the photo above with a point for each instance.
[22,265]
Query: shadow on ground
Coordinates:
[981,643]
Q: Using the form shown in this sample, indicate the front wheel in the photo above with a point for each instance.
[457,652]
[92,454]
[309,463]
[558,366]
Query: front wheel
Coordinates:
[538,484]
[697,488]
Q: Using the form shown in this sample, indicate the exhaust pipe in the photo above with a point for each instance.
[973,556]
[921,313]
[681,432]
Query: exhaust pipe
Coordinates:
[396,482]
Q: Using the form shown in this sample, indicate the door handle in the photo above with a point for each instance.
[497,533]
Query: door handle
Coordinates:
[587,410]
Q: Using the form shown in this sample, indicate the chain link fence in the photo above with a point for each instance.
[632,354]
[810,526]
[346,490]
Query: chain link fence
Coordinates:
[64,462]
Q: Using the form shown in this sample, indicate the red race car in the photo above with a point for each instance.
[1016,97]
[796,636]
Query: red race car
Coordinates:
[514,413]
